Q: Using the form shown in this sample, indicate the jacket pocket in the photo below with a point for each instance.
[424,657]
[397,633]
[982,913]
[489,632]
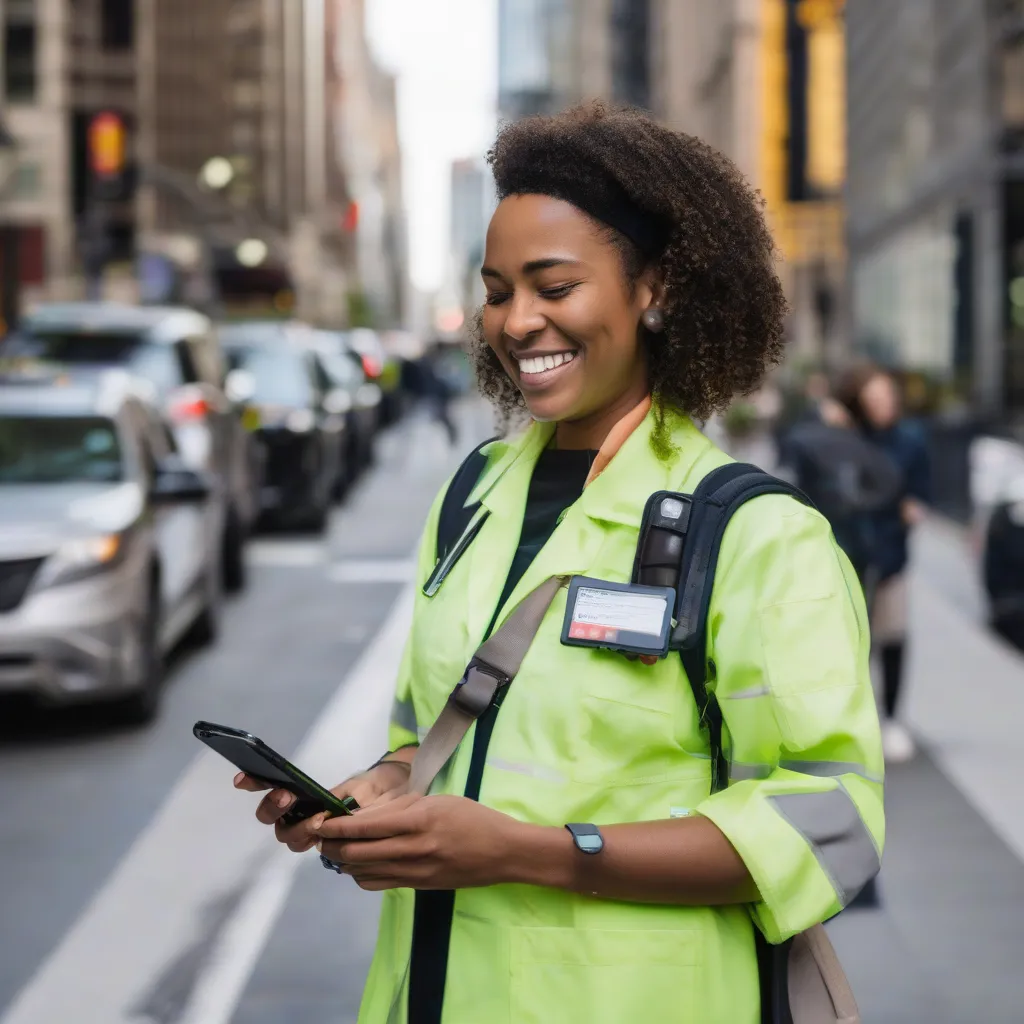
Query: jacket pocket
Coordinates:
[604,976]
[629,744]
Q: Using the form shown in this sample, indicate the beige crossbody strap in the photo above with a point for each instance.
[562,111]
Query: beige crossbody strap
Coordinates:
[494,665]
[818,990]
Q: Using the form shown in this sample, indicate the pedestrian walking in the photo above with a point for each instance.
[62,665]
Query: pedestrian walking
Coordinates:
[435,390]
[604,846]
[871,398]
[845,474]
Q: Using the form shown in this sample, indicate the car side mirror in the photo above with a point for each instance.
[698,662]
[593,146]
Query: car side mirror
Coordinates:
[176,483]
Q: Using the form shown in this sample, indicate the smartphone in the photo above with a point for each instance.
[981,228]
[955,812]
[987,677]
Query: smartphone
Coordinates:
[255,758]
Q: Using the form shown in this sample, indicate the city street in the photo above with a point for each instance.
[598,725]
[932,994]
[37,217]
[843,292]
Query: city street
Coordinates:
[137,886]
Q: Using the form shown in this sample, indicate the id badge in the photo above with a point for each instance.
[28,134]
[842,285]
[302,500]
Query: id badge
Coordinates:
[618,616]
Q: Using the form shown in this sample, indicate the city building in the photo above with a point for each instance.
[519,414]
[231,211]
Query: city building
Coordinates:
[258,164]
[534,44]
[761,80]
[36,204]
[235,140]
[764,82]
[935,197]
[366,119]
[472,199]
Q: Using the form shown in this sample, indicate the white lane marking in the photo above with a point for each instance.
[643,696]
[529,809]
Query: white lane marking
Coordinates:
[286,553]
[234,957]
[382,571]
[199,846]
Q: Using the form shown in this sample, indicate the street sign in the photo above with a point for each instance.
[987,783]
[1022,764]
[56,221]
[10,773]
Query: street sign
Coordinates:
[106,145]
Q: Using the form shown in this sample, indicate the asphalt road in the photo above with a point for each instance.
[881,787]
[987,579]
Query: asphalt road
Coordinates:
[135,886]
[76,792]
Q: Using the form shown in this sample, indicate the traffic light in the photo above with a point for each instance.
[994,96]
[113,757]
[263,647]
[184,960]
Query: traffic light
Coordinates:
[106,145]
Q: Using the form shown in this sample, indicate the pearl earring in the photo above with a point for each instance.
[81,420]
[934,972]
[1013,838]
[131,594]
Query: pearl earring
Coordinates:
[653,320]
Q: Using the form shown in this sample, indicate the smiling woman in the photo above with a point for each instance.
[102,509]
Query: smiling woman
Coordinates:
[600,847]
[619,214]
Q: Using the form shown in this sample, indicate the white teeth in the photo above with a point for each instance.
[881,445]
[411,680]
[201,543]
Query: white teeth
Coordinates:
[538,364]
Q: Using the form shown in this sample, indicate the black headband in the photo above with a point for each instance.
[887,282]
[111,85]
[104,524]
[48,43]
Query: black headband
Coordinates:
[640,227]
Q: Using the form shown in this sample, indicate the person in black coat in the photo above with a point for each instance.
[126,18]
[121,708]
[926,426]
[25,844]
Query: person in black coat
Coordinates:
[870,397]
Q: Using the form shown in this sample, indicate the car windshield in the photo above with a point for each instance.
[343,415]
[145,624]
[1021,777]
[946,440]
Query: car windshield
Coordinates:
[153,362]
[279,377]
[240,335]
[59,449]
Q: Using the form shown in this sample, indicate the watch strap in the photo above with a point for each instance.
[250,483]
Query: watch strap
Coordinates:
[587,837]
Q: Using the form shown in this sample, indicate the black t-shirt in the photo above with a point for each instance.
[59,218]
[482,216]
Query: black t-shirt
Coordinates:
[557,482]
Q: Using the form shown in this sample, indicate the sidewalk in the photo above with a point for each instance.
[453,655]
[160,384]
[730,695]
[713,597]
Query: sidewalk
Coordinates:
[947,942]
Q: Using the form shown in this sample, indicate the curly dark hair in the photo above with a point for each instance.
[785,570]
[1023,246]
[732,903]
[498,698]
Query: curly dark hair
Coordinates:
[724,305]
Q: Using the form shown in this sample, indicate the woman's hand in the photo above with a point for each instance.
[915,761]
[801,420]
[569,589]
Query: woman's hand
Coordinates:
[377,786]
[432,842]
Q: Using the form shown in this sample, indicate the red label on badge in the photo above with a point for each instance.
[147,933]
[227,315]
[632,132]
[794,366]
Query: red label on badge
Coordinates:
[589,631]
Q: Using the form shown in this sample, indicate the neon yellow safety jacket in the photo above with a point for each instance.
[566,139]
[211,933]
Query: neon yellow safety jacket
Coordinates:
[587,735]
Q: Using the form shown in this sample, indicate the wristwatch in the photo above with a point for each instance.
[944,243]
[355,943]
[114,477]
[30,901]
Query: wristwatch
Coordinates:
[588,838]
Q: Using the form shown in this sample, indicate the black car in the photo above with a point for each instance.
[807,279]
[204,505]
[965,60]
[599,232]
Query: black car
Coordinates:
[177,352]
[297,414]
[362,396]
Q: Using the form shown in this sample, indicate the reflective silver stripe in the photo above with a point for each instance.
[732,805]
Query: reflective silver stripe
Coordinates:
[829,769]
[761,690]
[740,772]
[403,714]
[833,828]
[533,771]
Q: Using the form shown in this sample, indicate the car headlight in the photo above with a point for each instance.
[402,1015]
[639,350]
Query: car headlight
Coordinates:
[81,557]
[301,421]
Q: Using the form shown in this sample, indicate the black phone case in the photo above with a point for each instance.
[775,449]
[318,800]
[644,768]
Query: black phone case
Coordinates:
[251,755]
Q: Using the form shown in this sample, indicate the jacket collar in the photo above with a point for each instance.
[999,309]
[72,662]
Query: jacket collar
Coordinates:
[617,495]
[619,492]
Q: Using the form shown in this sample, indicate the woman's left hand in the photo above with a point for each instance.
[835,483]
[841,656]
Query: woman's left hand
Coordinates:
[431,842]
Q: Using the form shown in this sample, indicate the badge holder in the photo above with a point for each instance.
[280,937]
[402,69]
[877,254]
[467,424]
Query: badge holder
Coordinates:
[635,618]
[626,617]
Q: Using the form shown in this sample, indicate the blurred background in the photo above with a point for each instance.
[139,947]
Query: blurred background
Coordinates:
[239,251]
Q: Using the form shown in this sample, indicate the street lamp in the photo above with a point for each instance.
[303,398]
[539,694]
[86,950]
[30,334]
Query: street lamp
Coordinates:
[10,238]
[251,252]
[217,173]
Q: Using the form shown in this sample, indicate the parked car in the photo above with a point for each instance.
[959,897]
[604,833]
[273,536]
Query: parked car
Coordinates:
[364,399]
[177,351]
[297,414]
[380,367]
[997,498]
[109,541]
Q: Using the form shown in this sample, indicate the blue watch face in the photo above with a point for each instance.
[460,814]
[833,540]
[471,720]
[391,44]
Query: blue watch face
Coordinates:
[589,844]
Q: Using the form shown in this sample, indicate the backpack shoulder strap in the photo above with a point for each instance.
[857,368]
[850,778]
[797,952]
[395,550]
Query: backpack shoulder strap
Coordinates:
[455,514]
[713,503]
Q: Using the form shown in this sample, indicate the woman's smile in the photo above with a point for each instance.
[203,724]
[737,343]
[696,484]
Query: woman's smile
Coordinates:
[540,370]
